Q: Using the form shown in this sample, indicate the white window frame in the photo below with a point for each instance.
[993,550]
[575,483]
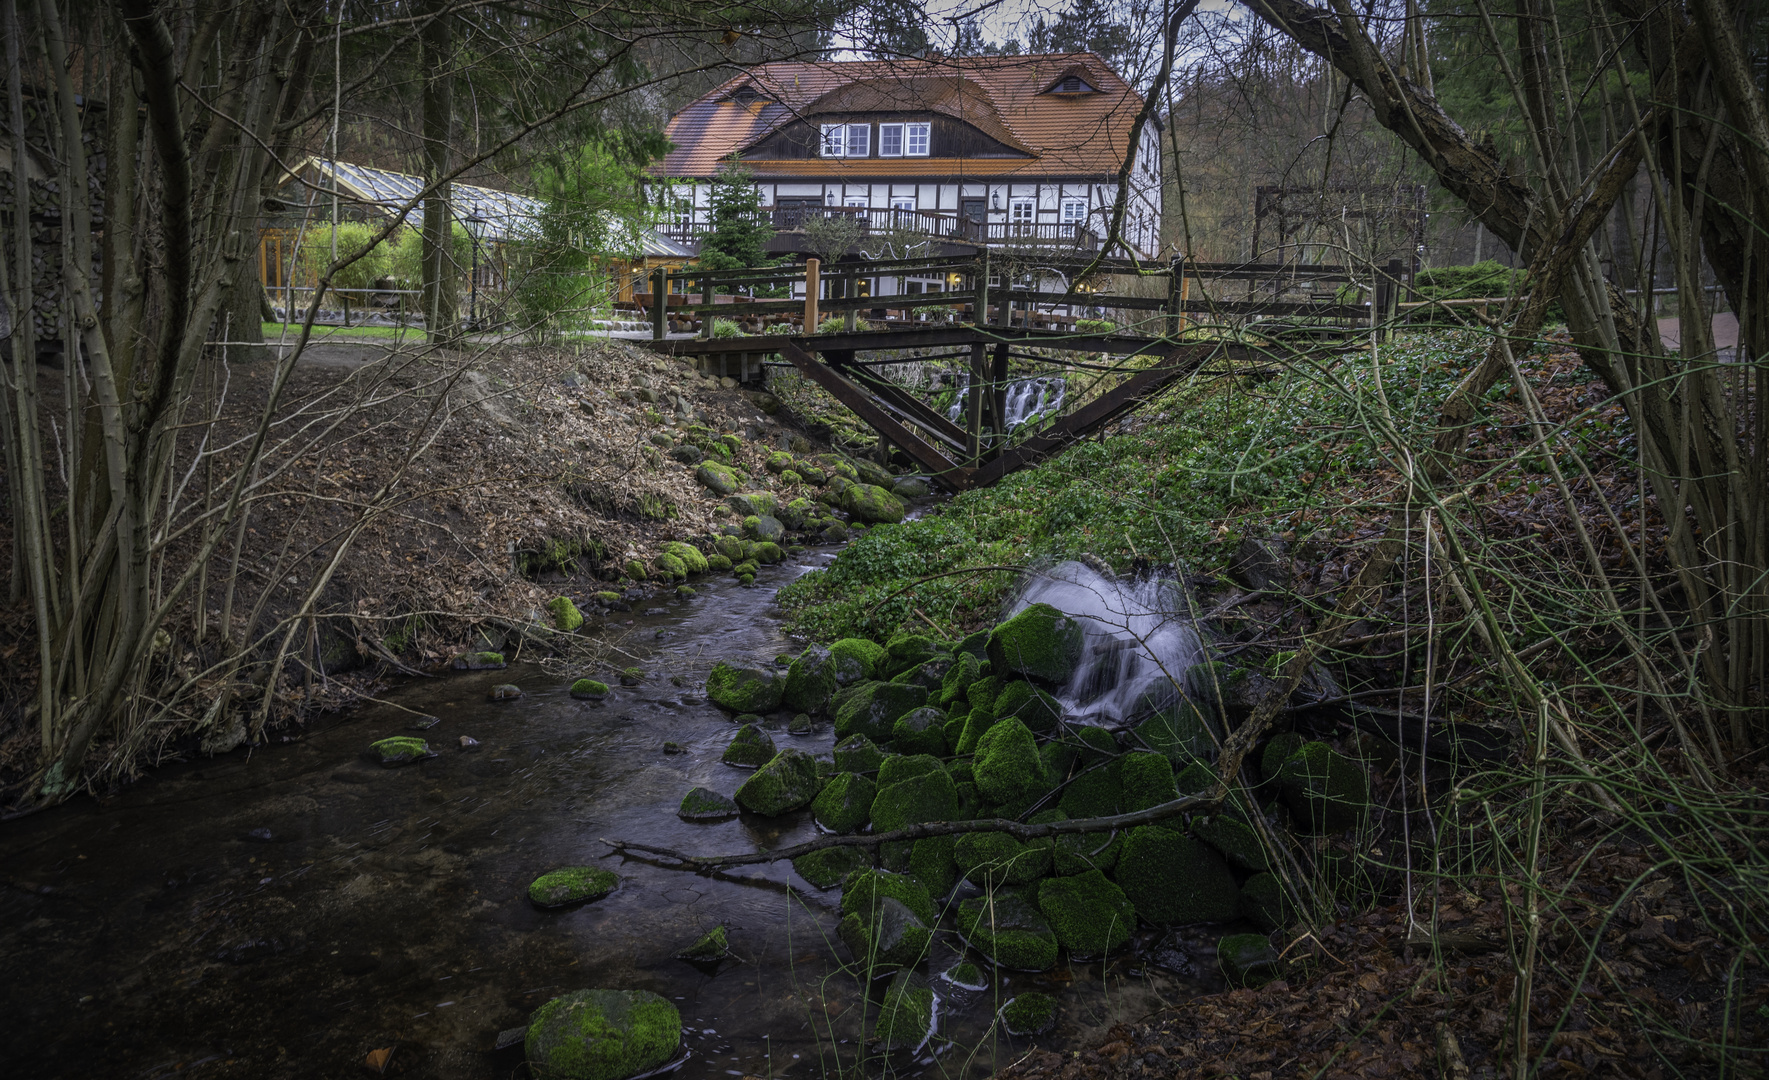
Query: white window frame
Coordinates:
[864,131]
[856,200]
[1074,211]
[835,140]
[1022,211]
[917,139]
[885,131]
[903,202]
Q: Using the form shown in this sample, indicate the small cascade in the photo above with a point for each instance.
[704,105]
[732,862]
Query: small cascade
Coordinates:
[1140,640]
[1024,400]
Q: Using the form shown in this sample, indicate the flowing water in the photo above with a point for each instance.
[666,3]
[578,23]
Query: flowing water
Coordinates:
[283,912]
[1022,399]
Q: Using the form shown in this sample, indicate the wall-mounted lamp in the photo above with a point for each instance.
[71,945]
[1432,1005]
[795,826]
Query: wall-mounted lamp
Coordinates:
[995,201]
[829,198]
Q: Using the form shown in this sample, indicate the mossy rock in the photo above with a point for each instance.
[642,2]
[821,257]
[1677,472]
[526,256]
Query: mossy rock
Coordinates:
[632,676]
[1280,747]
[1265,904]
[873,504]
[692,558]
[1181,732]
[856,660]
[784,784]
[1195,779]
[1247,959]
[889,936]
[566,617]
[1089,915]
[910,487]
[954,730]
[1229,691]
[766,528]
[718,564]
[872,709]
[932,862]
[827,868]
[1008,768]
[635,570]
[750,748]
[834,533]
[992,859]
[704,804]
[857,754]
[479,661]
[810,681]
[589,690]
[1077,853]
[685,592]
[966,976]
[906,1016]
[602,1035]
[1030,705]
[920,731]
[976,722]
[713,946]
[899,767]
[670,568]
[1326,790]
[745,689]
[955,684]
[1028,1014]
[1174,879]
[928,674]
[905,651]
[716,478]
[572,885]
[400,750]
[982,694]
[1093,745]
[746,580]
[864,890]
[1058,758]
[1147,780]
[1008,929]
[607,598]
[1236,840]
[768,553]
[1039,643]
[730,547]
[845,803]
[930,796]
[504,692]
[1096,792]
[812,475]
[778,462]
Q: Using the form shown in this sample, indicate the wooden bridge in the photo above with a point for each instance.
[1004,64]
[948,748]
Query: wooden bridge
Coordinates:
[985,327]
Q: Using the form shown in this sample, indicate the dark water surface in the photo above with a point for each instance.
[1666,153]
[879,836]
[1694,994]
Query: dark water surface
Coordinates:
[284,912]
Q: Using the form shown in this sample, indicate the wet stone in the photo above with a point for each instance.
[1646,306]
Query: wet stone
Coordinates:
[1029,1014]
[712,946]
[400,750]
[572,885]
[469,743]
[423,723]
[504,692]
[704,804]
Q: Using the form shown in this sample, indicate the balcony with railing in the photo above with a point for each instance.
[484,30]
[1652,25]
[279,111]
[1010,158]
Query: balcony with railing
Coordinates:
[875,222]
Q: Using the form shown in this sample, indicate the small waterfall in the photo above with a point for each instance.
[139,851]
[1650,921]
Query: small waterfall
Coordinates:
[1140,640]
[1024,400]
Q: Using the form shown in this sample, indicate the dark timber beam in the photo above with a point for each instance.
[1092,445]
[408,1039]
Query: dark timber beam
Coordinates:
[919,412]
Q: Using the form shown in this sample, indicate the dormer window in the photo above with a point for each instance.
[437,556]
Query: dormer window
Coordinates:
[1071,84]
[847,140]
[903,140]
[748,95]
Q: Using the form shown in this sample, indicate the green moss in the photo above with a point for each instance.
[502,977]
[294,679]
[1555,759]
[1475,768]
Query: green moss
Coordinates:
[955,684]
[1058,758]
[1195,779]
[1247,959]
[1030,1013]
[1276,751]
[1040,643]
[890,937]
[778,462]
[717,563]
[1097,792]
[1147,778]
[670,567]
[1089,915]
[750,748]
[635,570]
[930,796]
[905,651]
[1005,927]
[982,694]
[716,478]
[845,803]
[873,504]
[566,617]
[966,976]
[589,690]
[857,754]
[1007,763]
[730,547]
[601,1035]
[906,1016]
[810,681]
[768,553]
[713,945]
[399,749]
[828,867]
[704,804]
[1034,708]
[479,661]
[785,783]
[690,556]
[1236,840]
[572,885]
[872,709]
[744,689]
[1077,853]
[856,660]
[1180,732]
[1326,790]
[975,724]
[928,673]
[900,767]
[606,598]
[864,890]
[1173,879]
[920,731]
[1265,904]
[931,862]
[1093,745]
[992,859]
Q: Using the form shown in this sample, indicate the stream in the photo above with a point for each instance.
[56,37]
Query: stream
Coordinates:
[283,912]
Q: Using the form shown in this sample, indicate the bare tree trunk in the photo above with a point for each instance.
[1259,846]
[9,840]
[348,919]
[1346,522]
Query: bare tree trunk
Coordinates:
[441,300]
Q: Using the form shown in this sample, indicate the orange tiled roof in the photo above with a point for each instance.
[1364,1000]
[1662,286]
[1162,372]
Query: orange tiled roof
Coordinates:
[1061,134]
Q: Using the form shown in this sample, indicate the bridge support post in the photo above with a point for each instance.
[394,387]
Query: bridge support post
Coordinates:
[660,298]
[974,426]
[998,397]
[813,285]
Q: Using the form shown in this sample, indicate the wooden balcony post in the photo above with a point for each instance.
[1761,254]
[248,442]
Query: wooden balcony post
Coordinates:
[982,289]
[813,282]
[660,279]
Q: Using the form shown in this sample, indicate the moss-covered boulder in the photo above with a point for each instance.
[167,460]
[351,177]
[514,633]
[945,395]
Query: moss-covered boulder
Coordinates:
[1089,915]
[503,692]
[889,936]
[982,694]
[1247,959]
[976,722]
[1277,749]
[716,478]
[1326,790]
[753,504]
[1008,768]
[966,976]
[872,709]
[931,862]
[704,804]
[905,651]
[730,547]
[768,552]
[589,690]
[856,660]
[1173,879]
[745,689]
[764,528]
[1265,904]
[1095,792]
[566,617]
[827,868]
[399,750]
[479,661]
[873,504]
[1028,1014]
[778,462]
[929,674]
[956,682]
[920,731]
[1181,732]
[1236,840]
[1093,745]
[1039,643]
[1147,779]
[927,796]
[691,557]
[1077,853]
[789,781]
[1229,691]
[602,1035]
[712,946]
[810,681]
[1030,705]
[992,859]
[635,570]
[865,890]
[670,568]
[1008,929]
[572,885]
[857,754]
[845,803]
[906,1016]
[1195,779]
[717,563]
[750,748]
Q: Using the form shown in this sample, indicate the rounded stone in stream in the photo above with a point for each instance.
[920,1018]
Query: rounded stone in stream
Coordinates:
[887,936]
[750,748]
[744,689]
[479,661]
[469,743]
[712,947]
[966,976]
[704,804]
[799,725]
[504,692]
[572,885]
[400,750]
[1029,1014]
[906,1018]
[786,783]
[632,676]
[589,690]
[602,1035]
